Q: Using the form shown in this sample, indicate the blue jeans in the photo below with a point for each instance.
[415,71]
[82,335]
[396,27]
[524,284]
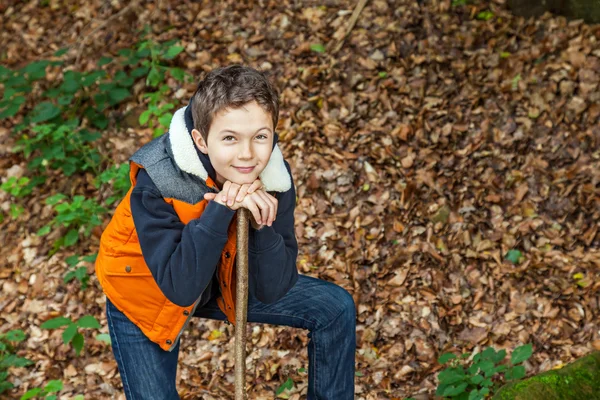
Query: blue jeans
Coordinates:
[325,309]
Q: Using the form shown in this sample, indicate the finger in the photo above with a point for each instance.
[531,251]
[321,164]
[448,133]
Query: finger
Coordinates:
[210,196]
[224,191]
[242,192]
[263,205]
[270,207]
[253,208]
[232,193]
[256,185]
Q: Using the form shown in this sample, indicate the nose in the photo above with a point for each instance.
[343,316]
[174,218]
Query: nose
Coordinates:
[245,151]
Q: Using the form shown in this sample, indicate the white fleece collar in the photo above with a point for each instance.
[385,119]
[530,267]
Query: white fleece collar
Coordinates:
[275,176]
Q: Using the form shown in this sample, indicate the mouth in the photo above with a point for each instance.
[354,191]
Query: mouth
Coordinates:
[244,170]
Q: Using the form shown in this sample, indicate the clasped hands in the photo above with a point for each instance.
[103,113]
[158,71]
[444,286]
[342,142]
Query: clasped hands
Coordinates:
[261,204]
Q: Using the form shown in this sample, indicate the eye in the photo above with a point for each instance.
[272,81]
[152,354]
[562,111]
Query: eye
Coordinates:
[261,136]
[228,138]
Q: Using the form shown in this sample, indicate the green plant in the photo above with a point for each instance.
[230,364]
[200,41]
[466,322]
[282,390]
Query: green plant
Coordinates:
[71,333]
[53,386]
[283,390]
[117,177]
[474,382]
[80,213]
[63,146]
[8,358]
[79,273]
[17,187]
[485,15]
[160,109]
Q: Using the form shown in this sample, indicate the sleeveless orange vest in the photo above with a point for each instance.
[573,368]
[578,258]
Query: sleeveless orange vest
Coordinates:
[128,283]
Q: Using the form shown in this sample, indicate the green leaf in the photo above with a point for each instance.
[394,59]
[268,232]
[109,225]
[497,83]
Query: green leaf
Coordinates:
[54,386]
[72,260]
[78,397]
[69,333]
[71,237]
[451,375]
[514,256]
[516,372]
[289,385]
[30,394]
[154,77]
[10,111]
[44,230]
[144,117]
[383,74]
[474,395]
[165,119]
[103,337]
[52,200]
[104,60]
[177,73]
[139,72]
[317,47]
[476,380]
[117,95]
[499,356]
[486,382]
[36,70]
[173,52]
[44,111]
[88,321]
[16,335]
[455,390]
[55,323]
[444,358]
[521,354]
[61,52]
[78,343]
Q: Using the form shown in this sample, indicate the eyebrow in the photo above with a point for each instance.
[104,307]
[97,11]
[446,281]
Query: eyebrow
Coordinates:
[237,133]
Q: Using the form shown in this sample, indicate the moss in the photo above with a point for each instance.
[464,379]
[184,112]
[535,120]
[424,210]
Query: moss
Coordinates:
[578,380]
[589,10]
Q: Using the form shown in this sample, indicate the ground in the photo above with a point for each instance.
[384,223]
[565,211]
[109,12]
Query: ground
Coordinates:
[436,140]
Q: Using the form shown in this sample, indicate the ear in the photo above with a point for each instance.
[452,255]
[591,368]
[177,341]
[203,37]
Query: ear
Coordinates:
[199,141]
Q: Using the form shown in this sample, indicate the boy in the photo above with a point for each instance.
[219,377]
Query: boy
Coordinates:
[168,252]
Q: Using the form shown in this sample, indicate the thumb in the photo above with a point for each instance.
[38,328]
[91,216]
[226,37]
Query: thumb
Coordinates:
[210,196]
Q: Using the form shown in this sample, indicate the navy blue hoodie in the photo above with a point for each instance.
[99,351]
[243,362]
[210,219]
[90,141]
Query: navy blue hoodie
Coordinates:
[183,258]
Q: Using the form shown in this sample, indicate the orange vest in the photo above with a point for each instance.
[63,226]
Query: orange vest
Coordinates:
[128,283]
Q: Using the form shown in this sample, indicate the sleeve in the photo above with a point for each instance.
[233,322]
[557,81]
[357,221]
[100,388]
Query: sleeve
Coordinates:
[272,253]
[182,258]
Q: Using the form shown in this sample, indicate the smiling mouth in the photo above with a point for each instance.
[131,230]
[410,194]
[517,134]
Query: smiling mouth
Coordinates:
[244,170]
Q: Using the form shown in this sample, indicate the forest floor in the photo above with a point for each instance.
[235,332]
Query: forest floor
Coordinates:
[438,139]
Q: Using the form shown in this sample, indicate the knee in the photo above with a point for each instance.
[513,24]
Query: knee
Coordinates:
[346,307]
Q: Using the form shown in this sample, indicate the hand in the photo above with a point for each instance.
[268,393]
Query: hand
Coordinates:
[232,192]
[261,205]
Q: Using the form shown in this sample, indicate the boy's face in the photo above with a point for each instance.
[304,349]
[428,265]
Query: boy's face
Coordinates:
[239,144]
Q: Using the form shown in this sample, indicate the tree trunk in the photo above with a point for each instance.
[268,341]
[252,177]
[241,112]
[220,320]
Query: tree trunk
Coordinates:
[578,380]
[588,10]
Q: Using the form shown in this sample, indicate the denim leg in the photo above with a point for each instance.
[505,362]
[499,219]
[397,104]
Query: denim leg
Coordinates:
[328,312]
[147,371]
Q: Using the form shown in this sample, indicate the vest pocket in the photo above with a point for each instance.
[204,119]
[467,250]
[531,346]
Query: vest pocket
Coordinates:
[126,266]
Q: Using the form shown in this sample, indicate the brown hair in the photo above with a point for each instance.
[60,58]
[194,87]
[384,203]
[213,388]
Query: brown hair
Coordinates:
[232,87]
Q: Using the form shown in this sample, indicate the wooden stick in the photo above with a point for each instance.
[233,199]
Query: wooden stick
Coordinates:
[357,10]
[241,303]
